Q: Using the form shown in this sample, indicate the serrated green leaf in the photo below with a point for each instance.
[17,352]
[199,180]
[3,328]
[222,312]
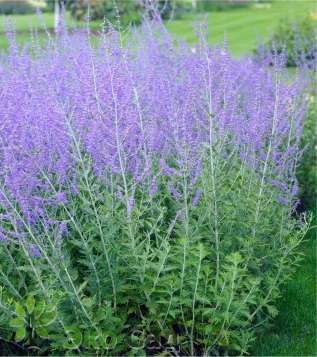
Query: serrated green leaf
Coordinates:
[47,318]
[39,309]
[19,309]
[82,286]
[42,332]
[30,303]
[17,322]
[20,334]
[89,302]
[50,308]
[71,329]
[272,310]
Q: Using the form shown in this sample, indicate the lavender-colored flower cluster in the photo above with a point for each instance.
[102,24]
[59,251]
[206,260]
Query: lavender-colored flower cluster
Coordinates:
[150,99]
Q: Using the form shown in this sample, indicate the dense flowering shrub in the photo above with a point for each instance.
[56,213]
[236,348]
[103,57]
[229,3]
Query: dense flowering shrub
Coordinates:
[147,194]
[297,39]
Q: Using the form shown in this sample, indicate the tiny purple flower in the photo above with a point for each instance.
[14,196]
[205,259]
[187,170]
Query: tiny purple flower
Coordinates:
[35,251]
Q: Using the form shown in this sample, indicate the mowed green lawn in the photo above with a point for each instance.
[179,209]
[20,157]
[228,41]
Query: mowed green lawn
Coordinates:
[293,332]
[243,27]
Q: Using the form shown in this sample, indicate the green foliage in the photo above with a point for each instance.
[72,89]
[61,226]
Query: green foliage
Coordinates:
[28,321]
[222,5]
[297,303]
[155,281]
[100,9]
[50,4]
[128,11]
[14,7]
[307,170]
[296,38]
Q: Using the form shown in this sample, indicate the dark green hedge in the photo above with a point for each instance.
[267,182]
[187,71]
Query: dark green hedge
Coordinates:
[12,7]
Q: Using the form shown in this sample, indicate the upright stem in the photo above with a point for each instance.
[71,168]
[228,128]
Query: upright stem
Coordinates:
[213,174]
[92,201]
[194,303]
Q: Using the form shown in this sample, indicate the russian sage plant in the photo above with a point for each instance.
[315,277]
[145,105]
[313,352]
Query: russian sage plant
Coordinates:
[147,194]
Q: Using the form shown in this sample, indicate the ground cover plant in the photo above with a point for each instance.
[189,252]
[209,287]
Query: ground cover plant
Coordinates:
[147,194]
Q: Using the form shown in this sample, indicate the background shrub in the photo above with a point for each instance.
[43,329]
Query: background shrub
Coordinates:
[14,7]
[221,5]
[307,170]
[296,39]
[128,11]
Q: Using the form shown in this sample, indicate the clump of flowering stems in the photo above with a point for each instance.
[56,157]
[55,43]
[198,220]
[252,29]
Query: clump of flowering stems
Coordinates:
[296,39]
[150,182]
